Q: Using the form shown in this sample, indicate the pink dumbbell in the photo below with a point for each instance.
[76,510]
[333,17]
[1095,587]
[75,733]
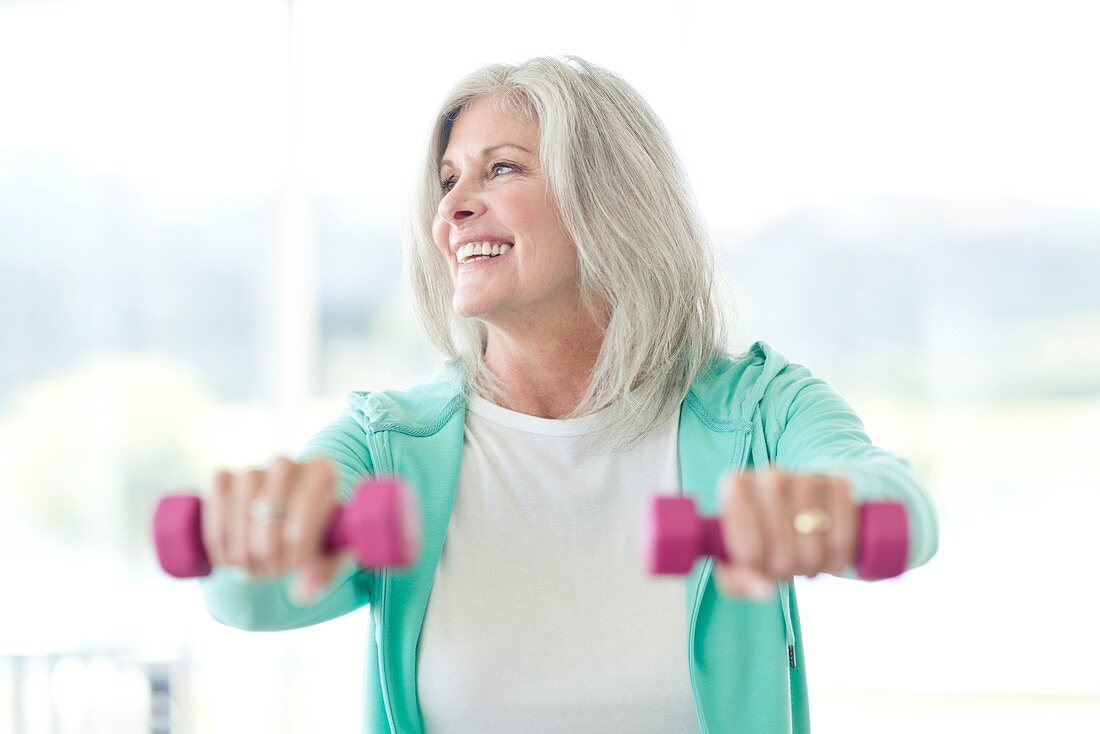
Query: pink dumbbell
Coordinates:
[676,535]
[380,526]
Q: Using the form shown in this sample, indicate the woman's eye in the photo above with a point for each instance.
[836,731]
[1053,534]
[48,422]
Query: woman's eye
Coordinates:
[450,183]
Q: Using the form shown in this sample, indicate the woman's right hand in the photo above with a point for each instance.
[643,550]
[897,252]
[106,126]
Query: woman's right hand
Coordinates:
[275,546]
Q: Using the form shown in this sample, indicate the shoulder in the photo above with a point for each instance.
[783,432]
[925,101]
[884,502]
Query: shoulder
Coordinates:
[733,384]
[421,407]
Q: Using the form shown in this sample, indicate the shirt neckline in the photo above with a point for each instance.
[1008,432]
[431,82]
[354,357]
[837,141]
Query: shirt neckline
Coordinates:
[534,424]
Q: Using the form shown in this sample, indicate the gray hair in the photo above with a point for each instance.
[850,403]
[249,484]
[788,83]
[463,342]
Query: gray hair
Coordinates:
[646,263]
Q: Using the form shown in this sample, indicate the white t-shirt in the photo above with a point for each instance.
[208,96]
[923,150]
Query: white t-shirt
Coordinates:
[542,617]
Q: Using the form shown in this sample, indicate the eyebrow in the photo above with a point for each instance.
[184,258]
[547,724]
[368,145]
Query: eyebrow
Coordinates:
[487,151]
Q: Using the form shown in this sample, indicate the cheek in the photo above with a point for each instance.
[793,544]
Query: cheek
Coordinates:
[555,244]
[532,217]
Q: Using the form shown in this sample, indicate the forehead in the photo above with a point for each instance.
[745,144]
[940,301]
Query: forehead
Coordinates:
[485,124]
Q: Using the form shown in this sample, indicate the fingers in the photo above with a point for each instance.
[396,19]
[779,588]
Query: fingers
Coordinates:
[275,545]
[757,521]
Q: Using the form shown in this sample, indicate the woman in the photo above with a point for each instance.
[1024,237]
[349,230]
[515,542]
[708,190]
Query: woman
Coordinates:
[557,260]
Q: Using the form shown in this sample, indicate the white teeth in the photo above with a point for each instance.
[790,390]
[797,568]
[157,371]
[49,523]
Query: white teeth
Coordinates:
[480,249]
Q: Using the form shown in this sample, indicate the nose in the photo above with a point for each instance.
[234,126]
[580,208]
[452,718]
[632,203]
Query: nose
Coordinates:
[460,203]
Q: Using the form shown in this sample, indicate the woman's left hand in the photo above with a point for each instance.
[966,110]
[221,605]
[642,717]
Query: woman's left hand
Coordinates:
[758,520]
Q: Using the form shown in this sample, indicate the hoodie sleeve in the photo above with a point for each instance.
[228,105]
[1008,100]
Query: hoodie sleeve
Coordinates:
[819,433]
[267,604]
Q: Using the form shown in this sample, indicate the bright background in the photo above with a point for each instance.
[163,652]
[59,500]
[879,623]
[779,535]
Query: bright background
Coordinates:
[200,215]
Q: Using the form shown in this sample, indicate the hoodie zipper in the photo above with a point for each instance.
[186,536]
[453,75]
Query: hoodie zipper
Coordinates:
[707,564]
[380,447]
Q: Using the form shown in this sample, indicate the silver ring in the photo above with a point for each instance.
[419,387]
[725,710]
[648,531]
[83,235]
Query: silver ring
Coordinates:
[263,509]
[813,520]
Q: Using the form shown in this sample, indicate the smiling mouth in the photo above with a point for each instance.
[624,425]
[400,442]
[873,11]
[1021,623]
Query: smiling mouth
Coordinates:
[470,259]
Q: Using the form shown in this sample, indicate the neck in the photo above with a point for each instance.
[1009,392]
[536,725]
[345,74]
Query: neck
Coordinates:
[544,370]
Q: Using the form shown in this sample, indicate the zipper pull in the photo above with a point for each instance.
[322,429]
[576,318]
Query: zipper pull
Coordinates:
[790,654]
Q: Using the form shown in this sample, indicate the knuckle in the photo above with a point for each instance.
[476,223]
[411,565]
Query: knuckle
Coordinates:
[804,485]
[281,463]
[743,483]
[278,471]
[319,479]
[784,482]
[319,487]
[223,482]
[323,470]
[222,490]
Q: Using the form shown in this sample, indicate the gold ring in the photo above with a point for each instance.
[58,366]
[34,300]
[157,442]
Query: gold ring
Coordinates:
[813,520]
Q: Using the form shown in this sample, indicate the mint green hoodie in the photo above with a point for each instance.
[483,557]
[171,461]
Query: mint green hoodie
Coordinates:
[744,657]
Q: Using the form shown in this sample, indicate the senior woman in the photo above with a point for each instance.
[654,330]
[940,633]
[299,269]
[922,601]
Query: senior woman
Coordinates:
[556,258]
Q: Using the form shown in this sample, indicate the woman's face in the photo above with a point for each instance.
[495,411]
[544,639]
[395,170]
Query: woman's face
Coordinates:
[494,191]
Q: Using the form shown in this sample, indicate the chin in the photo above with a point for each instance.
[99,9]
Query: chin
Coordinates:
[467,310]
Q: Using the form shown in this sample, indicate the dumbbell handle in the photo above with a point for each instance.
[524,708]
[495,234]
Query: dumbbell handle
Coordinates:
[379,526]
[711,541]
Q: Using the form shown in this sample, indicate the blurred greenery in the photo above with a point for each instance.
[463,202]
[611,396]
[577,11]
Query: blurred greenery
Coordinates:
[86,452]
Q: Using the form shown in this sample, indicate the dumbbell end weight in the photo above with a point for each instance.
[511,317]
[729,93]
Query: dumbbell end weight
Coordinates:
[675,536]
[177,535]
[883,544]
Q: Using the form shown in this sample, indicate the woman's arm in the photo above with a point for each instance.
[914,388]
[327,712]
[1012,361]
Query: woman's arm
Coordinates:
[819,433]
